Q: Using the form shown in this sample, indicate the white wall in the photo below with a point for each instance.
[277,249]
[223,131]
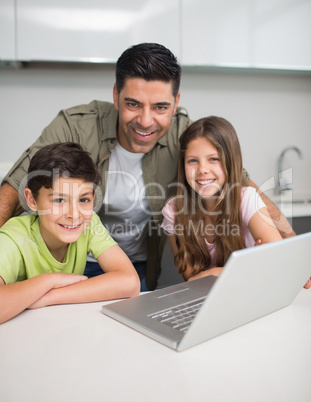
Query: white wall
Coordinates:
[269,111]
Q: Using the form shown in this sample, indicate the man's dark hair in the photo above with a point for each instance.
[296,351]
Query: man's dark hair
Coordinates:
[66,159]
[149,61]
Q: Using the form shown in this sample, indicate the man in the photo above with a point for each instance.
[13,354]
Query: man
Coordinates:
[134,142]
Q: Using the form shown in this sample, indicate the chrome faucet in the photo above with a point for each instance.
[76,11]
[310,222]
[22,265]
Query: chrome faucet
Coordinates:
[282,185]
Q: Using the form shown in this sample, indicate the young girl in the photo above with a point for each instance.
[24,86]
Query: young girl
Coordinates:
[43,254]
[214,212]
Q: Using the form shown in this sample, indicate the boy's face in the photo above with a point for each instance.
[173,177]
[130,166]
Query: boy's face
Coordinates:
[64,210]
[145,112]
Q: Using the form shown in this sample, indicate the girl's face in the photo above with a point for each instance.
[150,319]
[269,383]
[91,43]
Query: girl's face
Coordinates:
[203,168]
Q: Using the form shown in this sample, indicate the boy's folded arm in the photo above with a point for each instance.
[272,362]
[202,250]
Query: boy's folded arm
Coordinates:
[16,297]
[119,281]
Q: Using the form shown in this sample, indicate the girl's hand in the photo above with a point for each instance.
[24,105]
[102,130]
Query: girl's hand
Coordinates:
[212,271]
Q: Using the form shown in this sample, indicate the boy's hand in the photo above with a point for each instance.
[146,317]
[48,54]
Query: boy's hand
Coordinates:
[60,280]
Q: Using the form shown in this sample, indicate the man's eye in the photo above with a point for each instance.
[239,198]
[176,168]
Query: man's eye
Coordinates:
[161,108]
[132,104]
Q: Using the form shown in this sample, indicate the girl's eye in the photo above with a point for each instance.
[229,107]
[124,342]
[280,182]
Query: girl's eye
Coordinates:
[214,159]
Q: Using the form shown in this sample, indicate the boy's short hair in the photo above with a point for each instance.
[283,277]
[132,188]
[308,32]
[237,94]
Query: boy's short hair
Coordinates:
[67,159]
[149,61]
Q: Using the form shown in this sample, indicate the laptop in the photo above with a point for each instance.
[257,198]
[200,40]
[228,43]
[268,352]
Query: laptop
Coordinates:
[254,282]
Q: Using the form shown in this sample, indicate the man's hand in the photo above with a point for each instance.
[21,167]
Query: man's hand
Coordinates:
[9,203]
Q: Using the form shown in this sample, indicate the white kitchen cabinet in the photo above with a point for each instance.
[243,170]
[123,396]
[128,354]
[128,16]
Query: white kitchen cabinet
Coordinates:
[247,33]
[7,42]
[93,30]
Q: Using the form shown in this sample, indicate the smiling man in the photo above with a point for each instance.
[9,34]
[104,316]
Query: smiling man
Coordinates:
[135,144]
[145,113]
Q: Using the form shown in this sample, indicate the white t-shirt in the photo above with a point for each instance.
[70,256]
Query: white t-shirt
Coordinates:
[126,208]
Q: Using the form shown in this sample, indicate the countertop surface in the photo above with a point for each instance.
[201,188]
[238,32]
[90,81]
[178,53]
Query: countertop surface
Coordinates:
[75,353]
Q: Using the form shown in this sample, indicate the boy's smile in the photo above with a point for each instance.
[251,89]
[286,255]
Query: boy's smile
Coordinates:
[64,212]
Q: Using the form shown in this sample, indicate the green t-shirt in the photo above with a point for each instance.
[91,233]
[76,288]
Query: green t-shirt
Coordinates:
[24,254]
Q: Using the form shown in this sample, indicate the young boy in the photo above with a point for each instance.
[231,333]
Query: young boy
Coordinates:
[43,254]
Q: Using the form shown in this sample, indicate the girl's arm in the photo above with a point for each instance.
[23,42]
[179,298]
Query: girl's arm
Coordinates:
[119,281]
[276,215]
[16,297]
[262,227]
[188,275]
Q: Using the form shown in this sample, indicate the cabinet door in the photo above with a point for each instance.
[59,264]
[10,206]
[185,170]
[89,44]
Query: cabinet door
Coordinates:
[7,42]
[215,32]
[93,30]
[247,33]
[282,34]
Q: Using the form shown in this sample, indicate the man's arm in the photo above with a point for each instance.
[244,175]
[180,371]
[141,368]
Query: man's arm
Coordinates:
[9,203]
[278,218]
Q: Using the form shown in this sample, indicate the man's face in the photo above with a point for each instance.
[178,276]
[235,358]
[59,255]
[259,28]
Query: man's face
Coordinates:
[145,112]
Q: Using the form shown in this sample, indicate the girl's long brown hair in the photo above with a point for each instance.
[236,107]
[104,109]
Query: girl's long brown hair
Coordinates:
[190,216]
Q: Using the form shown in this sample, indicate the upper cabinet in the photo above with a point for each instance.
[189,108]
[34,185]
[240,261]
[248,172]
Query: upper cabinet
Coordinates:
[93,30]
[7,26]
[227,33]
[247,33]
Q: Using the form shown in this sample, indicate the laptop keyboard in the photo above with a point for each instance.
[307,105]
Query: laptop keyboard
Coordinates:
[179,317]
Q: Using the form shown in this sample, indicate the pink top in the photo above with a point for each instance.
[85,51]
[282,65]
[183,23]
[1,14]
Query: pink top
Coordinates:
[250,204]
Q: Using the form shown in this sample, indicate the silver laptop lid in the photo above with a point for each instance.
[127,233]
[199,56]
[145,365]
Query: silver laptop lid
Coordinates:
[255,282]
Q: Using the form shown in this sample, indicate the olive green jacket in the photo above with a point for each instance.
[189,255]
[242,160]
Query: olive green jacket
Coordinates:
[94,126]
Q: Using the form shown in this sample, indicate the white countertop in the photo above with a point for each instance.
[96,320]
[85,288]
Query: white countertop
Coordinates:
[296,209]
[293,205]
[75,353]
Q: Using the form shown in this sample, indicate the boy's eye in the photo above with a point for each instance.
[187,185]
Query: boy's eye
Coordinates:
[85,200]
[58,200]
